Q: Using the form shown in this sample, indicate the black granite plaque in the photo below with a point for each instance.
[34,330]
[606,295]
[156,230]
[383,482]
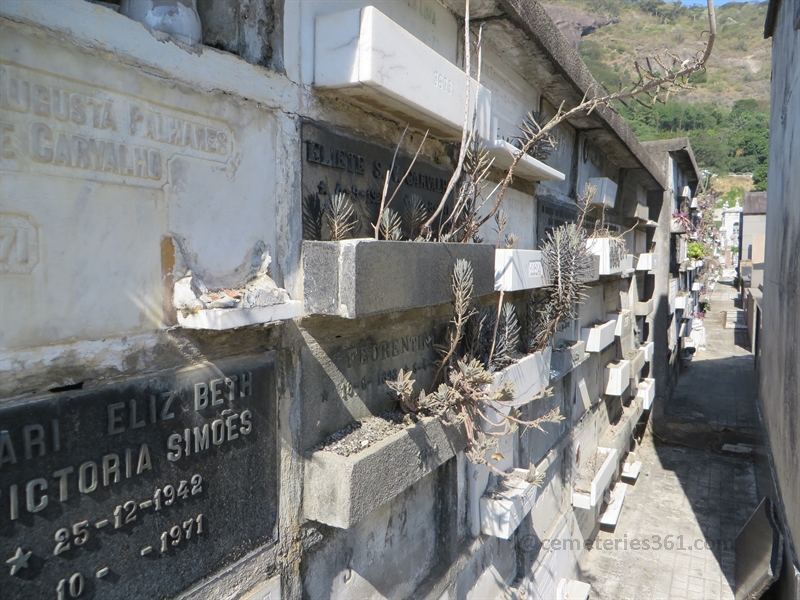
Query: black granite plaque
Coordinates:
[139,489]
[553,215]
[333,163]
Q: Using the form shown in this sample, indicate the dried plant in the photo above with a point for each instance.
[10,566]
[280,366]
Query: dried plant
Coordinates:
[415,213]
[657,77]
[543,146]
[339,216]
[469,395]
[501,219]
[391,225]
[567,263]
[511,240]
[506,340]
[312,218]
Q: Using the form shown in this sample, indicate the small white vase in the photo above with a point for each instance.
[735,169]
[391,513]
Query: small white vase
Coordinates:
[178,18]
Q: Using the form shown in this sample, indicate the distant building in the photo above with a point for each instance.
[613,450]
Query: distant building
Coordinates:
[752,239]
[729,233]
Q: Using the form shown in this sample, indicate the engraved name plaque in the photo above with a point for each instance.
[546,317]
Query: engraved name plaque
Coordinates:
[335,163]
[139,489]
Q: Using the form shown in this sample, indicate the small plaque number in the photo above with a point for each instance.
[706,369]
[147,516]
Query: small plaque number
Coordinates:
[535,269]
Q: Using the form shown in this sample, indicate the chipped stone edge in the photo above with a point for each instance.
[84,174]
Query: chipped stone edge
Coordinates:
[219,319]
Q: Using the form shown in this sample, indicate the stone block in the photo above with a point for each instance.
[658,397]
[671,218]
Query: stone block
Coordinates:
[600,482]
[644,308]
[647,392]
[617,377]
[647,262]
[649,349]
[567,358]
[622,321]
[606,194]
[506,504]
[356,52]
[358,278]
[610,515]
[637,361]
[610,253]
[527,167]
[342,490]
[518,270]
[599,336]
[530,375]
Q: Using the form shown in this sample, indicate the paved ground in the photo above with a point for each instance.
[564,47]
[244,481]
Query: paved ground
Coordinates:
[720,387]
[689,503]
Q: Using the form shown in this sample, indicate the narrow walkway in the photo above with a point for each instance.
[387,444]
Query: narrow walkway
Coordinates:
[675,536]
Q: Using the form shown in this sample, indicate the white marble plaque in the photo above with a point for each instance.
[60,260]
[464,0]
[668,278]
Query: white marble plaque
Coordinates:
[99,164]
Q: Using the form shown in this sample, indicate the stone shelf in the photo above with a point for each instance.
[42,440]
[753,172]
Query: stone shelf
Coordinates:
[572,589]
[686,327]
[622,321]
[600,336]
[600,482]
[563,361]
[606,194]
[530,376]
[636,358]
[631,471]
[363,277]
[649,348]
[610,515]
[684,302]
[644,308]
[647,392]
[528,167]
[646,262]
[365,55]
[506,504]
[219,319]
[518,270]
[342,490]
[594,273]
[628,264]
[602,247]
[618,435]
[617,377]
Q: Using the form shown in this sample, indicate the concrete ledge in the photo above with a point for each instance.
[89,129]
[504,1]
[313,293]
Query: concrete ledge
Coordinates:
[610,263]
[620,436]
[518,270]
[599,336]
[600,483]
[530,376]
[341,490]
[219,319]
[644,308]
[563,361]
[359,278]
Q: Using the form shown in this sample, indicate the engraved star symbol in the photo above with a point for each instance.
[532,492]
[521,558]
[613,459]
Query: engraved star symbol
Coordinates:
[19,561]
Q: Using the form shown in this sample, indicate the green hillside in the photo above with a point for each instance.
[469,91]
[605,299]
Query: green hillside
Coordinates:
[726,113]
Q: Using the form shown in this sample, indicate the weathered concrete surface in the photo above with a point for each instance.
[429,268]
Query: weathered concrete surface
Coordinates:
[780,357]
[342,490]
[358,278]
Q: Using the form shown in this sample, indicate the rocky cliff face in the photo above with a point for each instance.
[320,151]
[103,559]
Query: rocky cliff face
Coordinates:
[574,23]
